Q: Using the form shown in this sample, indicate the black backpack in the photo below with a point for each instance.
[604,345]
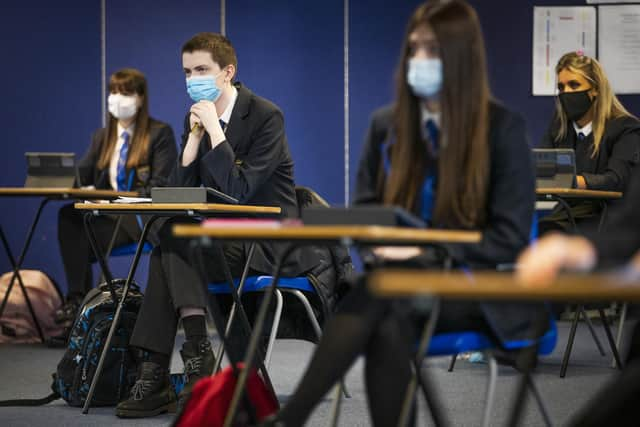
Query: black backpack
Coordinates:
[86,341]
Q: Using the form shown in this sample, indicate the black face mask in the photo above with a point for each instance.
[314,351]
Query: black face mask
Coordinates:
[575,104]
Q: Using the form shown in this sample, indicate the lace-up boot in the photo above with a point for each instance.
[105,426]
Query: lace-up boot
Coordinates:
[198,361]
[152,394]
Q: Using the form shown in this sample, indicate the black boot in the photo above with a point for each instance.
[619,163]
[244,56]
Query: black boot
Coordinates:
[152,394]
[198,361]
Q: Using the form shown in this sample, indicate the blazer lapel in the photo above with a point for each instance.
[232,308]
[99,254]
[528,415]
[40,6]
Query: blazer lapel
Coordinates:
[236,129]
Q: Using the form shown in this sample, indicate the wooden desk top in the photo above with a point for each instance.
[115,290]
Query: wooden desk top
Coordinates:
[500,286]
[578,193]
[329,232]
[172,207]
[65,193]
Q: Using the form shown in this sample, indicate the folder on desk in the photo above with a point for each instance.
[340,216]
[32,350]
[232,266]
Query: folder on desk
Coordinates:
[362,215]
[190,195]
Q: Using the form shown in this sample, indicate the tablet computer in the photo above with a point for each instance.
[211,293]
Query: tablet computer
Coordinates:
[361,215]
[190,195]
[555,167]
[50,170]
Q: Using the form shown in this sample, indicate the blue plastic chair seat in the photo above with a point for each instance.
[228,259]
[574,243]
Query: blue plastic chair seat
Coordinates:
[260,283]
[130,249]
[462,342]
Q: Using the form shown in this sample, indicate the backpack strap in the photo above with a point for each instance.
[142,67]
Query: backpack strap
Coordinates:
[31,402]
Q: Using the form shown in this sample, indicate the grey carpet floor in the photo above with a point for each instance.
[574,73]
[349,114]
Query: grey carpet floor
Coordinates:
[25,372]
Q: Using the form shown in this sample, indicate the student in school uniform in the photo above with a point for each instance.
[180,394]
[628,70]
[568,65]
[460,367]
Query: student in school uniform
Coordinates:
[449,153]
[590,119]
[617,402]
[134,152]
[233,141]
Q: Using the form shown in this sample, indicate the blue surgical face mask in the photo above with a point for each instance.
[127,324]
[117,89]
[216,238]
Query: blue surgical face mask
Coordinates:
[424,76]
[203,88]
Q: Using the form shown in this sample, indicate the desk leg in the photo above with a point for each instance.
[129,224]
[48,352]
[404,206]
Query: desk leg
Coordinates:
[232,313]
[116,316]
[97,251]
[238,392]
[17,265]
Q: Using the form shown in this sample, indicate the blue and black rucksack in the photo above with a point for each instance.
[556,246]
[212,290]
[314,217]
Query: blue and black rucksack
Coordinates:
[75,371]
[86,341]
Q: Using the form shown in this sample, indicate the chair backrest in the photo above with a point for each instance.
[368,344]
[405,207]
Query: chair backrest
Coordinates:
[305,196]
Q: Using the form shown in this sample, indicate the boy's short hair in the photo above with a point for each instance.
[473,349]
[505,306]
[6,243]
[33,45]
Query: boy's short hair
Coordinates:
[220,48]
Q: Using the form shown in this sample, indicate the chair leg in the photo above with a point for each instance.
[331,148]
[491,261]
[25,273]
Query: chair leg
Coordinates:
[274,328]
[538,397]
[612,343]
[572,336]
[491,391]
[337,401]
[316,326]
[452,363]
[623,317]
[593,332]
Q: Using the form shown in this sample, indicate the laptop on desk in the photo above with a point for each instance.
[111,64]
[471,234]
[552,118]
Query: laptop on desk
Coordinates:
[56,170]
[555,167]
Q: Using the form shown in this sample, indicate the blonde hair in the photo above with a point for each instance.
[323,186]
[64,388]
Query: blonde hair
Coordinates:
[606,105]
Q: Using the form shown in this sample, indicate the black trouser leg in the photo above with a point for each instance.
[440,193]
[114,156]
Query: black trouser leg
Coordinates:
[346,336]
[157,321]
[174,283]
[388,370]
[75,249]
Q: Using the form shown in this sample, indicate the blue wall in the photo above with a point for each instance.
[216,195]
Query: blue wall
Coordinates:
[289,51]
[50,101]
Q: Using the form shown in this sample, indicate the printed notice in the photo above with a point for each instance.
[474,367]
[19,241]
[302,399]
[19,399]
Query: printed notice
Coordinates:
[556,31]
[619,46]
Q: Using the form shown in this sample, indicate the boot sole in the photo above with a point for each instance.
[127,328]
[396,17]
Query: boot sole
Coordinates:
[128,413]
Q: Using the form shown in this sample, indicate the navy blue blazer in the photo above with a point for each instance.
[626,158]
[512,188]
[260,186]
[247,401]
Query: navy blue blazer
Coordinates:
[510,206]
[253,165]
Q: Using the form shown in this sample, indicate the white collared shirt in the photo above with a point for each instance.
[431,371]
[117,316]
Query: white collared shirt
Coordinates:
[115,156]
[226,115]
[428,115]
[586,129]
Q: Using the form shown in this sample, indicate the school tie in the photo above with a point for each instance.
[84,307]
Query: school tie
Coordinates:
[121,176]
[433,133]
[581,136]
[223,125]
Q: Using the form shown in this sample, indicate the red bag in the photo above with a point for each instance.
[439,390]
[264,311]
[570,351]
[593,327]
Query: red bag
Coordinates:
[211,397]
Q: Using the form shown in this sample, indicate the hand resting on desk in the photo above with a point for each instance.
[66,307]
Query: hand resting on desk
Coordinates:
[540,263]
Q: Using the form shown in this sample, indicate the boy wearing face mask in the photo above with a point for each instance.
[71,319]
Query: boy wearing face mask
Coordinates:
[233,141]
[590,119]
[134,152]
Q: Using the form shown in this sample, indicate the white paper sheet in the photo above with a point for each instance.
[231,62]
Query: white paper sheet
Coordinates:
[619,46]
[556,31]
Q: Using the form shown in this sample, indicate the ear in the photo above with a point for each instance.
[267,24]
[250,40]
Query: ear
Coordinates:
[593,93]
[230,73]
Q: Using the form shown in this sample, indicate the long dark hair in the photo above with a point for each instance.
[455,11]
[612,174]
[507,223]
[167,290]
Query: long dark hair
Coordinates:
[128,81]
[463,164]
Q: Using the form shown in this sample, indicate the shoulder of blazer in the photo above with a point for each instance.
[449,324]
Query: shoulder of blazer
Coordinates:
[381,124]
[615,128]
[248,103]
[157,127]
[501,119]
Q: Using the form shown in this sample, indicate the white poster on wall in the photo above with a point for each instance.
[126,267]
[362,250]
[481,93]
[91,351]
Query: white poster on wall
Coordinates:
[556,31]
[619,46]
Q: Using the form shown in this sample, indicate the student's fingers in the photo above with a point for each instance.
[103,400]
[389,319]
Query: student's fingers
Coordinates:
[541,262]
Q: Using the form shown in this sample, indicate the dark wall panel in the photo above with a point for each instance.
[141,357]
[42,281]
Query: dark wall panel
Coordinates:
[50,102]
[291,53]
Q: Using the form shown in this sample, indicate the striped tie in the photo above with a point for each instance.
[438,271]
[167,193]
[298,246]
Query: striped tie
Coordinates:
[121,176]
